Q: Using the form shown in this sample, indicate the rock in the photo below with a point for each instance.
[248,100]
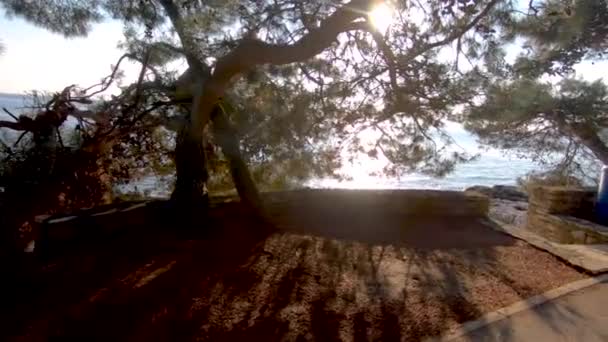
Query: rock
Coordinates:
[484,190]
[508,192]
[578,236]
[509,212]
[503,192]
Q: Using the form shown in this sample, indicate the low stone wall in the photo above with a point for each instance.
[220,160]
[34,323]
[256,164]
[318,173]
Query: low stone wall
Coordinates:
[59,232]
[564,215]
[563,201]
[402,202]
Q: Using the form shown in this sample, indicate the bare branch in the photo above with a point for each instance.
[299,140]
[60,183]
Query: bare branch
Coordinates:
[532,8]
[19,139]
[9,113]
[59,137]
[107,81]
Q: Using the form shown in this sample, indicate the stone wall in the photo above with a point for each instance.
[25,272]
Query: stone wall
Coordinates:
[55,233]
[563,201]
[565,215]
[402,202]
[62,231]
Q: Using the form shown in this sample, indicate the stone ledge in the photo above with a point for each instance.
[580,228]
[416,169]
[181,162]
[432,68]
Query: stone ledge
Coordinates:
[564,215]
[567,229]
[562,200]
[401,202]
[586,225]
[57,232]
[591,258]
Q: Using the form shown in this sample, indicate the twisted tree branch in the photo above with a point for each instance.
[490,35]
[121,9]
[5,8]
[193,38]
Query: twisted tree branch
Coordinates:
[253,52]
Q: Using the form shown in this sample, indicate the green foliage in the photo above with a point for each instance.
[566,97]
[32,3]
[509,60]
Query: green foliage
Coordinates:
[549,178]
[68,17]
[559,120]
[542,120]
[298,121]
[560,34]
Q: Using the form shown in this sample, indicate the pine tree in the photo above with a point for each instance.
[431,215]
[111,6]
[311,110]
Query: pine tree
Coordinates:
[536,105]
[300,79]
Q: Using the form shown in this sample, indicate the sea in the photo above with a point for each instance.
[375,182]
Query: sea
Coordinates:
[492,167]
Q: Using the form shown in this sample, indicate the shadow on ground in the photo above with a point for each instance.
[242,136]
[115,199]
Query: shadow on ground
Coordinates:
[334,275]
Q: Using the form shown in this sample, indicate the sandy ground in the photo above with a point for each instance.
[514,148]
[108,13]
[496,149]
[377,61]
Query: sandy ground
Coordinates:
[345,275]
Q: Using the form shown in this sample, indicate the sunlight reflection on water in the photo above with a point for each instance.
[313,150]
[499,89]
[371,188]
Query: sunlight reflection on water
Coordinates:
[485,171]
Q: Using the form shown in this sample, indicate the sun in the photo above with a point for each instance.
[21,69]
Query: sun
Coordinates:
[381,17]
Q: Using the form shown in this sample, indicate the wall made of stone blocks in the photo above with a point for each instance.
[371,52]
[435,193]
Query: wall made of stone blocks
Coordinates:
[564,215]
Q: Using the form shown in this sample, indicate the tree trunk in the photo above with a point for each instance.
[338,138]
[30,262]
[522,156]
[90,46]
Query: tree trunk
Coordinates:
[585,133]
[190,196]
[226,137]
[223,132]
[589,138]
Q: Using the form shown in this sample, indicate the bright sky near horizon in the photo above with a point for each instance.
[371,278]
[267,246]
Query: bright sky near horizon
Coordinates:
[35,59]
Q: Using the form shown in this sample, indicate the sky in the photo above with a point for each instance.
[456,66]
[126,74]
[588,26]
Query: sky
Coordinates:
[35,59]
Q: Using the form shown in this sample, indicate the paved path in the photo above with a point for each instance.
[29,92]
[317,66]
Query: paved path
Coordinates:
[579,316]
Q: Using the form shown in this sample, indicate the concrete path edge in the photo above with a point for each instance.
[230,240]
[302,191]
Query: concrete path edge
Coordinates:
[500,314]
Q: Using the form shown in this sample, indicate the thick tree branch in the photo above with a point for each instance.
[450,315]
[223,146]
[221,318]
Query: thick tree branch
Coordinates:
[585,133]
[589,138]
[16,126]
[252,52]
[188,43]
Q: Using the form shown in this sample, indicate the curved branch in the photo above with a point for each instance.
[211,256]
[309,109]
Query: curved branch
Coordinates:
[107,81]
[455,35]
[252,52]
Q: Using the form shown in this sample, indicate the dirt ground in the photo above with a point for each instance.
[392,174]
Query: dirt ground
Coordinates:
[334,275]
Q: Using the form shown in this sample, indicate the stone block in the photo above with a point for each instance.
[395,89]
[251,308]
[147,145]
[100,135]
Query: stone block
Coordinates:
[566,229]
[592,240]
[550,227]
[562,200]
[578,236]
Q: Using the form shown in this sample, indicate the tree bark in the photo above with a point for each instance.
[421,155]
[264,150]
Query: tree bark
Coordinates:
[253,52]
[226,138]
[586,134]
[589,138]
[223,132]
[190,197]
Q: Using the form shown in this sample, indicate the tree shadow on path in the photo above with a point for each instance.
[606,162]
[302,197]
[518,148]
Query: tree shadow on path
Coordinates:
[334,275]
